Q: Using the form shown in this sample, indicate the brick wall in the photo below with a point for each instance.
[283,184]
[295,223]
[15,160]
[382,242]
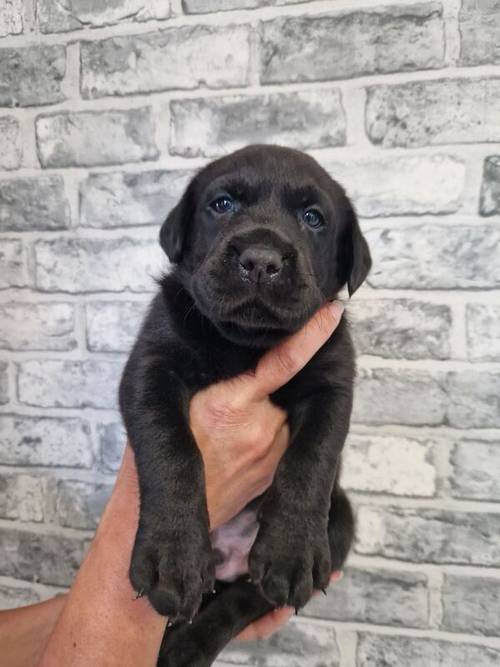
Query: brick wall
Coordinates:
[104,115]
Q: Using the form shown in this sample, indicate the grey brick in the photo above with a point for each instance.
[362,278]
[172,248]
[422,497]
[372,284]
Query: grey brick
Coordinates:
[69,384]
[112,326]
[474,470]
[212,126]
[87,138]
[4,383]
[32,76]
[445,111]
[479,24]
[45,441]
[377,650]
[111,438]
[208,6]
[37,326]
[13,271]
[78,14]
[380,596]
[470,604]
[424,535]
[401,185]
[217,57]
[483,331]
[389,464]
[11,151]
[403,396]
[435,257]
[92,265]
[387,328]
[21,497]
[11,20]
[124,199]
[298,644]
[490,187]
[80,504]
[474,399]
[12,597]
[326,47]
[28,204]
[48,558]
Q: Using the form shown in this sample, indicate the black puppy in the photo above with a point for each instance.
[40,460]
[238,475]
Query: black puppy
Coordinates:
[260,239]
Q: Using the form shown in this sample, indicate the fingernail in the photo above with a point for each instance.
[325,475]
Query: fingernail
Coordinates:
[337,308]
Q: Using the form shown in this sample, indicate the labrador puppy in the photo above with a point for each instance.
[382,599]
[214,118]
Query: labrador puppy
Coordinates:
[258,242]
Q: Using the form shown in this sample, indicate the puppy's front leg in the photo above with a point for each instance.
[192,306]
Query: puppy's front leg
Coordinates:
[291,555]
[172,560]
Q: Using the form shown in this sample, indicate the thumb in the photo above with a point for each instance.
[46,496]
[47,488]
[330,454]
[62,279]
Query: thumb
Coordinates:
[279,365]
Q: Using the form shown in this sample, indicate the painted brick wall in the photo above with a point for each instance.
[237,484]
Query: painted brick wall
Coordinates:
[104,115]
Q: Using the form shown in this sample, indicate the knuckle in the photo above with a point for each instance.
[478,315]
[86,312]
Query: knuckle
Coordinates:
[287,360]
[219,410]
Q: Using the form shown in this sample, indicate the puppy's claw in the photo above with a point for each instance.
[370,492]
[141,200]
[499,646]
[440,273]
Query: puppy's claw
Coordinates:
[296,611]
[324,591]
[139,594]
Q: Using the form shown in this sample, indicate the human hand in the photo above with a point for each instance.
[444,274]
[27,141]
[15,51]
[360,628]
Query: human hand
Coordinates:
[240,433]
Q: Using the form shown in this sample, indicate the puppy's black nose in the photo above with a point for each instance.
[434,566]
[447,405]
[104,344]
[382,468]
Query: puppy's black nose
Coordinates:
[260,264]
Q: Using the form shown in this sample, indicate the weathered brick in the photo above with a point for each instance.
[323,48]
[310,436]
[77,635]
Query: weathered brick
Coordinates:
[80,504]
[298,644]
[92,265]
[87,138]
[326,47]
[69,384]
[403,396]
[490,187]
[11,20]
[13,271]
[470,604]
[212,126]
[28,204]
[389,464]
[21,497]
[474,399]
[381,596]
[4,383]
[32,76]
[111,438]
[377,650]
[388,328]
[208,6]
[78,14]
[121,200]
[474,470]
[12,597]
[483,331]
[445,111]
[435,257]
[112,326]
[11,151]
[401,185]
[37,326]
[427,535]
[479,25]
[48,558]
[45,441]
[217,57]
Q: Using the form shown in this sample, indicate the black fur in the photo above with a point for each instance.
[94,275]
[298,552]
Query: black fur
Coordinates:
[213,318]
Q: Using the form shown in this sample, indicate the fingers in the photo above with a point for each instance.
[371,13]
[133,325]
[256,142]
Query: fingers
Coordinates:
[270,623]
[279,365]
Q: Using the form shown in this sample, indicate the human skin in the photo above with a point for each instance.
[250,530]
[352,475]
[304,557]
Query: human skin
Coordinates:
[241,436]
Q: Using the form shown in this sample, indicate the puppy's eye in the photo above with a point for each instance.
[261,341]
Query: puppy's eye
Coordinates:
[223,204]
[313,218]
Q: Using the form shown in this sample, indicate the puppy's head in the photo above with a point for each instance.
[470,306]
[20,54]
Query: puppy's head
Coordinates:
[260,239]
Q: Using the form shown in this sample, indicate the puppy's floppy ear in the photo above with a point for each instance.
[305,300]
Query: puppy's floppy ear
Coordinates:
[174,230]
[357,256]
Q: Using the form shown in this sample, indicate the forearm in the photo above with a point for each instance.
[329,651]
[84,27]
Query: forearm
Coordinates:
[24,632]
[102,623]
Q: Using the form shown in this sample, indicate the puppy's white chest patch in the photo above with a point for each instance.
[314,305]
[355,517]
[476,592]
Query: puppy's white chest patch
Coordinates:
[232,543]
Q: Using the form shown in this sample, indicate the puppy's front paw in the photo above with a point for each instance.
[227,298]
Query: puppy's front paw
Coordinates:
[173,573]
[289,560]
